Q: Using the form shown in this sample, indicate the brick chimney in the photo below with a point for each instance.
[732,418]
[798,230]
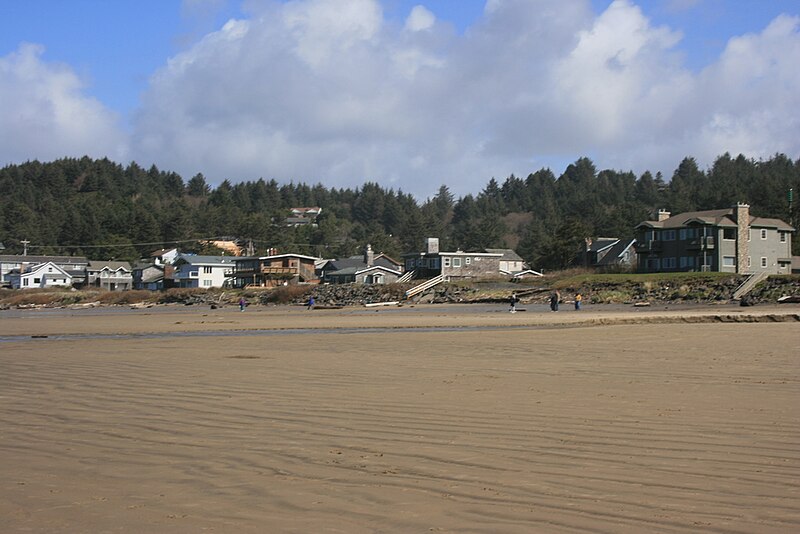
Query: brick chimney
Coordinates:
[742,216]
[662,215]
[369,256]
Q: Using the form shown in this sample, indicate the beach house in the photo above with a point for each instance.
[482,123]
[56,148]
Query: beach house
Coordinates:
[725,240]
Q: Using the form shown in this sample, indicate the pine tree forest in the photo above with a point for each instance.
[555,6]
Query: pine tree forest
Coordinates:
[104,210]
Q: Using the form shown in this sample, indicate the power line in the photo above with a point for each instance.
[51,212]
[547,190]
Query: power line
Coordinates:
[162,243]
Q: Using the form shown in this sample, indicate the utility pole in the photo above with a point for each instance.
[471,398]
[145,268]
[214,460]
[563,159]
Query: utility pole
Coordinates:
[24,246]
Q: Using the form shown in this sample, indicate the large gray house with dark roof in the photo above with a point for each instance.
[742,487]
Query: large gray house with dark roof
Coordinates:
[725,240]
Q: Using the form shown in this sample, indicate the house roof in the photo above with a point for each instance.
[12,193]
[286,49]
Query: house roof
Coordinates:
[456,253]
[205,260]
[526,273]
[508,254]
[61,260]
[363,269]
[722,218]
[276,256]
[602,243]
[616,251]
[155,276]
[34,268]
[110,265]
[314,210]
[357,262]
[161,252]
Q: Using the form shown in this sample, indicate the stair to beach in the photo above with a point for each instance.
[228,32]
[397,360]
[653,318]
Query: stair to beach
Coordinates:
[427,284]
[749,284]
[406,277]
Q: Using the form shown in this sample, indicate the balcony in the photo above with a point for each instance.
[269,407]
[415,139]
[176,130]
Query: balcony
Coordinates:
[701,243]
[648,246]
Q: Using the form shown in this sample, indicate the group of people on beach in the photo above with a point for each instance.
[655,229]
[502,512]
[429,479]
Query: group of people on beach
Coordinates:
[555,298]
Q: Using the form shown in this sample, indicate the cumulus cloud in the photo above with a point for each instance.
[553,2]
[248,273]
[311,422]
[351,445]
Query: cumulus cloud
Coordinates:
[333,91]
[46,114]
[420,19]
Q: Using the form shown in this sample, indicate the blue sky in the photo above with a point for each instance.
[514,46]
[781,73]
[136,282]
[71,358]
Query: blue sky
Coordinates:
[410,94]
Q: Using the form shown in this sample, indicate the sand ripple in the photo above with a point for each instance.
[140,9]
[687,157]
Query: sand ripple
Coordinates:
[649,428]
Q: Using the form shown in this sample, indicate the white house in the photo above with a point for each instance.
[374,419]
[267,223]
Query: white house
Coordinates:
[202,271]
[165,256]
[31,276]
[74,265]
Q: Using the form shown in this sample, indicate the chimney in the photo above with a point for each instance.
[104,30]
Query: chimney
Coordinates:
[586,251]
[369,256]
[662,215]
[742,216]
[432,245]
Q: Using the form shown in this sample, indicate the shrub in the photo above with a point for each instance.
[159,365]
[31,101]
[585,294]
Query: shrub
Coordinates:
[124,297]
[286,294]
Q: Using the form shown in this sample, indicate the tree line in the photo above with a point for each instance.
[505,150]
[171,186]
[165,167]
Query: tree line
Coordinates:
[104,210]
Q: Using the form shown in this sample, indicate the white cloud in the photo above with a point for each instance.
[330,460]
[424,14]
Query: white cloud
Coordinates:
[330,91]
[420,19]
[46,115]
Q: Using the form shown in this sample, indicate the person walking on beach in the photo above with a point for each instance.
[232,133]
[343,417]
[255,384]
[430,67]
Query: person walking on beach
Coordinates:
[513,302]
[554,298]
[311,302]
[242,303]
[578,300]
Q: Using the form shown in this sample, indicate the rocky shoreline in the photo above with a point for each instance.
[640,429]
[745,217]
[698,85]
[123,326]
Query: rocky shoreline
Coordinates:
[608,291]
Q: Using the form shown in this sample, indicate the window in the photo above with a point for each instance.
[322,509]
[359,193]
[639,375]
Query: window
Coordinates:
[456,262]
[37,280]
[728,261]
[749,261]
[783,237]
[446,262]
[763,262]
[207,283]
[729,233]
[467,261]
[687,233]
[669,235]
[764,233]
[668,263]
[207,270]
[687,261]
[25,282]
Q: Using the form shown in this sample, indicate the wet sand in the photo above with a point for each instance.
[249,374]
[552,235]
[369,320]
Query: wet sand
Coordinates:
[424,419]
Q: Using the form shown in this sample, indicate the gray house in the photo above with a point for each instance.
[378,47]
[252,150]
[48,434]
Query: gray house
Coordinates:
[151,275]
[109,275]
[725,240]
[452,265]
[609,254]
[366,269]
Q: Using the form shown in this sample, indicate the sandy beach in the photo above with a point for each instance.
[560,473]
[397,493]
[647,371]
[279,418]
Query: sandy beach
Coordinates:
[412,419]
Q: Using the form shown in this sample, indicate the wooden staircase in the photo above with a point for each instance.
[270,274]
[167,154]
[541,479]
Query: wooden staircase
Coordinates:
[749,284]
[424,286]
